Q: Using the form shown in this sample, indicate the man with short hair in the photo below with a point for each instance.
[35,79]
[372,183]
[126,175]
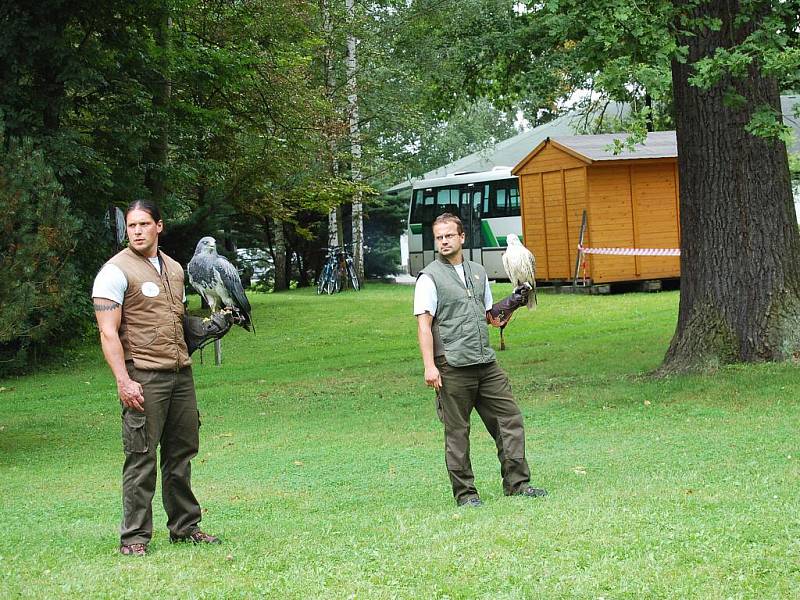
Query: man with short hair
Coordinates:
[452,303]
[138,301]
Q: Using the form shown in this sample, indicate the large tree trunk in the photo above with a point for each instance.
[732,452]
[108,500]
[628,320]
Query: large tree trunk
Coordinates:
[740,249]
[355,146]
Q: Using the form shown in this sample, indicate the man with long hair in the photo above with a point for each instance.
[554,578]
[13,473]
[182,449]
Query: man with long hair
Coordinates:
[138,301]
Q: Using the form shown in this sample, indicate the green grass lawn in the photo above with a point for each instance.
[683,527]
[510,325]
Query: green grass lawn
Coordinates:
[322,467]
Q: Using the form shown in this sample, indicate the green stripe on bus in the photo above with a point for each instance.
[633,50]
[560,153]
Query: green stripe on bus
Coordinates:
[416,228]
[489,240]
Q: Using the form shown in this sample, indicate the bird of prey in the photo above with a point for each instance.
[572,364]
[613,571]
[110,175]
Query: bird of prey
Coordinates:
[520,266]
[217,281]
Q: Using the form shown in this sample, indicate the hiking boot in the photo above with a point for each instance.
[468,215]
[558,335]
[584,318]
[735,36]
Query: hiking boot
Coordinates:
[531,492]
[198,537]
[473,502]
[133,549]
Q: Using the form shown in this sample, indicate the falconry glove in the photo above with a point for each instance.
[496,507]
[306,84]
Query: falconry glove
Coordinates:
[501,311]
[198,332]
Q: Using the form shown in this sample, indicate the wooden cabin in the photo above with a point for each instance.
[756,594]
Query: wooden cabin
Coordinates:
[631,201]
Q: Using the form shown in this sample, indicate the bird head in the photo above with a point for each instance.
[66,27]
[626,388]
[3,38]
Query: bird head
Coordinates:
[512,240]
[206,245]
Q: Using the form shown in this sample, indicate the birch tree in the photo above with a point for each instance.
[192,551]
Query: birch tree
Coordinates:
[355,144]
[329,74]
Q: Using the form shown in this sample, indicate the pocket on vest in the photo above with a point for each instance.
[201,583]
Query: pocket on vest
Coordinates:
[142,336]
[451,334]
[134,432]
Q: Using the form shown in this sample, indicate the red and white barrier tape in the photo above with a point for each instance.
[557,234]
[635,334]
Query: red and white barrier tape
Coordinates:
[631,251]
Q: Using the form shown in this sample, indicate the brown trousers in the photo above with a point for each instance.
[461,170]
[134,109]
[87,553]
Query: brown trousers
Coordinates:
[486,389]
[170,419]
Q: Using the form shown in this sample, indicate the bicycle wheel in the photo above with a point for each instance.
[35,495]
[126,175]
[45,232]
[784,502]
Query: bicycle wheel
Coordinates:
[332,285]
[323,278]
[351,271]
[321,282]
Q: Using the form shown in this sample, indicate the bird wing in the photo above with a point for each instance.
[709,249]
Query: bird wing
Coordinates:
[527,264]
[229,277]
[507,267]
[517,266]
[520,266]
[200,276]
[527,269]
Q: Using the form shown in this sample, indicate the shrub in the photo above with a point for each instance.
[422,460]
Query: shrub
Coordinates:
[41,297]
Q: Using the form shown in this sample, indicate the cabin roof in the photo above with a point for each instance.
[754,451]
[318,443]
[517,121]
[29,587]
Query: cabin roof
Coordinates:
[658,144]
[599,148]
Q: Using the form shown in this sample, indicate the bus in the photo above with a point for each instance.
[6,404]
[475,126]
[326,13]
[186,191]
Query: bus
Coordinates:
[487,204]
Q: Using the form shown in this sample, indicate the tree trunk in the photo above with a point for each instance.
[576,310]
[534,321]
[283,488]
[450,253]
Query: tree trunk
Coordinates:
[155,158]
[302,275]
[281,280]
[355,146]
[740,248]
[334,216]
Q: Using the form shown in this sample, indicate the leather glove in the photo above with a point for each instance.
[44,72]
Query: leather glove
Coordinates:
[198,332]
[501,311]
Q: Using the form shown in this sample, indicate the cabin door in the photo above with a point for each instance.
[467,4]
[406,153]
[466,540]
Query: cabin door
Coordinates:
[470,215]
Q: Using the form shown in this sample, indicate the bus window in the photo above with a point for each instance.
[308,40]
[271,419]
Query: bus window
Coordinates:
[502,203]
[446,201]
[506,200]
[416,204]
[426,218]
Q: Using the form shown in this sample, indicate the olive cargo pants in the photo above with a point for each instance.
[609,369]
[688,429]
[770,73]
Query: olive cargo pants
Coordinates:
[486,389]
[170,419]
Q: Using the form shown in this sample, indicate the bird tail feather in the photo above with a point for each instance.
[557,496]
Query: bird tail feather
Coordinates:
[532,300]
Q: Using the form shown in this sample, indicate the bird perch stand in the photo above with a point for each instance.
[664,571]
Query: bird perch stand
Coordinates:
[217,352]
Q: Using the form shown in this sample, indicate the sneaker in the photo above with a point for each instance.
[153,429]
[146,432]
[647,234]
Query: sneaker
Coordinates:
[473,502]
[198,537]
[133,549]
[531,492]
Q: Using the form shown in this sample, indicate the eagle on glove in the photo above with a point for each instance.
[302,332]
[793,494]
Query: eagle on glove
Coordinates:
[218,282]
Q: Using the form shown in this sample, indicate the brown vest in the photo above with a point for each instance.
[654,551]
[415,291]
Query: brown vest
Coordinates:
[151,330]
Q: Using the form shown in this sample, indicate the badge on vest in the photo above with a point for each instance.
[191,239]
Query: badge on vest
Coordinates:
[150,289]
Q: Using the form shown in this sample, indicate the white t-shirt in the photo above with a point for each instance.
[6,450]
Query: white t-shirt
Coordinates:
[426,300]
[112,284]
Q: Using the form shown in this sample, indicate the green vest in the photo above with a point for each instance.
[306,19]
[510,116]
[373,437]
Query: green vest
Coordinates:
[460,333]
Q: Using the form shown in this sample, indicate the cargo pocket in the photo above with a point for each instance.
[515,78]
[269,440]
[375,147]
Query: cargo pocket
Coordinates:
[134,432]
[439,410]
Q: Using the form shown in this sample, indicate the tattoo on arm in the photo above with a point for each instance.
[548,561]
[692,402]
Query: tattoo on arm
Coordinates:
[103,306]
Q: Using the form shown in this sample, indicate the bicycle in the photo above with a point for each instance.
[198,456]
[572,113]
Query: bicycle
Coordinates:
[328,281]
[339,268]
